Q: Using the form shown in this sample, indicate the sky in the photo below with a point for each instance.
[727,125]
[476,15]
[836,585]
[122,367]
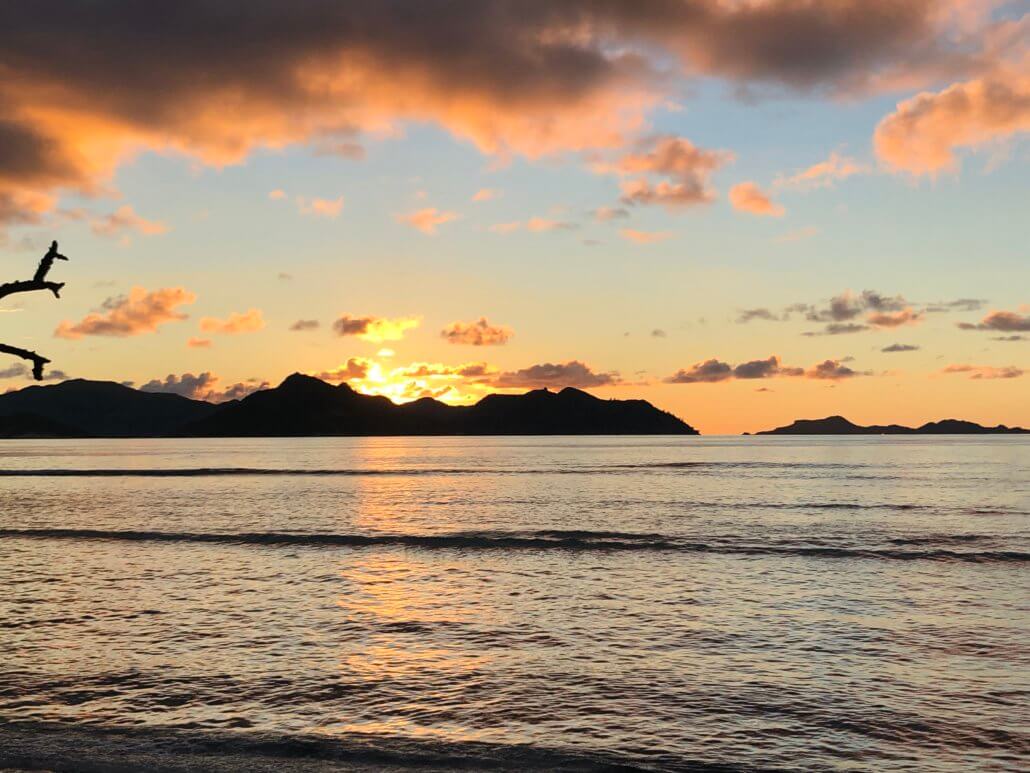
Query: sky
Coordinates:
[742,211]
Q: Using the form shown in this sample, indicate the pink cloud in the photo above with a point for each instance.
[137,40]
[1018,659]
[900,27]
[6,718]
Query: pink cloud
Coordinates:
[748,197]
[644,237]
[924,134]
[249,321]
[137,313]
[427,220]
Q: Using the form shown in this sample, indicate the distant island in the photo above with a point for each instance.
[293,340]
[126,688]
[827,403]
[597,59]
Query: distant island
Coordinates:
[306,406]
[838,425]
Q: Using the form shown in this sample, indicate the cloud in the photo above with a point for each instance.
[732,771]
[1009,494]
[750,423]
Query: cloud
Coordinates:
[900,348]
[202,386]
[20,370]
[831,370]
[125,219]
[746,315]
[985,371]
[707,372]
[304,324]
[688,170]
[884,312]
[889,319]
[198,343]
[283,276]
[824,174]
[748,197]
[135,314]
[644,237]
[538,224]
[764,369]
[317,207]
[478,333]
[659,333]
[533,77]
[568,374]
[249,321]
[354,369]
[960,304]
[1010,338]
[922,136]
[607,214]
[505,228]
[277,194]
[426,220]
[715,371]
[486,194]
[1002,321]
[838,328]
[374,329]
[353,151]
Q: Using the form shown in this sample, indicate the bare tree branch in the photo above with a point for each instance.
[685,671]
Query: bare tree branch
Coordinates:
[38,360]
[29,285]
[38,282]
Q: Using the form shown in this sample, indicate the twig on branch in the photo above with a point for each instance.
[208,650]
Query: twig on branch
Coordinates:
[38,282]
[38,360]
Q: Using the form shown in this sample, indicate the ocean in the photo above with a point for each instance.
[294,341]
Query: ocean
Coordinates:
[531,603]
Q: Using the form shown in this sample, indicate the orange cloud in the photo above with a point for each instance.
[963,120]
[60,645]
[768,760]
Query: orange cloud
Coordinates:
[426,220]
[538,224]
[375,329]
[198,343]
[985,371]
[505,228]
[249,321]
[527,78]
[486,194]
[320,207]
[277,194]
[1002,321]
[895,319]
[135,314]
[478,333]
[825,173]
[354,369]
[925,132]
[688,168]
[125,219]
[748,197]
[644,237]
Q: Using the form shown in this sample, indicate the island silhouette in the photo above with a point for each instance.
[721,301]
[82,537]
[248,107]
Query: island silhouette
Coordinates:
[304,406]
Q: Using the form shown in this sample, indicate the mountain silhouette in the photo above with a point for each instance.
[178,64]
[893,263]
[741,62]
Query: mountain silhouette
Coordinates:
[838,425]
[306,406]
[303,405]
[104,409]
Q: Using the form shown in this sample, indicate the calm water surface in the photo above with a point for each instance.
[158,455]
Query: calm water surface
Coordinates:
[538,602]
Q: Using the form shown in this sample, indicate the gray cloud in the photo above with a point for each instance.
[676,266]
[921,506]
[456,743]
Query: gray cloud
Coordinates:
[572,373]
[900,348]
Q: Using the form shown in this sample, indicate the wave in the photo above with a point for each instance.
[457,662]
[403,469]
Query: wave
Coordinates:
[56,746]
[540,540]
[194,472]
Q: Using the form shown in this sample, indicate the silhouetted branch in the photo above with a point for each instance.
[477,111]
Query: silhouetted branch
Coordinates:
[38,282]
[29,285]
[38,360]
